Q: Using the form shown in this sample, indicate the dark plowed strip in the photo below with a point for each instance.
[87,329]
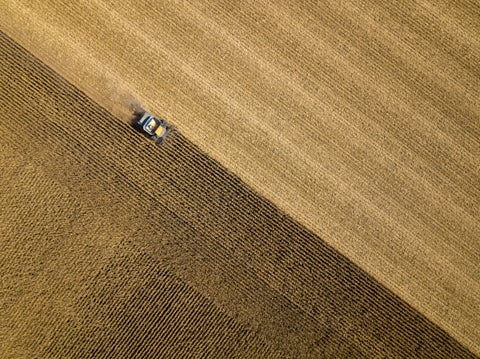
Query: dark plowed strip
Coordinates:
[202,240]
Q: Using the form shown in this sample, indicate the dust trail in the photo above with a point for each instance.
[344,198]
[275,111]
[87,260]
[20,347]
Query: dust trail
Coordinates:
[119,99]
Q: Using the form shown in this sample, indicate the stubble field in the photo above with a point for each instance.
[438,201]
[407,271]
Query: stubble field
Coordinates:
[354,130]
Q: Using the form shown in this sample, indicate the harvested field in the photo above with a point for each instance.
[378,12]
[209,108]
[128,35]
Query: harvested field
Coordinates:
[249,283]
[351,230]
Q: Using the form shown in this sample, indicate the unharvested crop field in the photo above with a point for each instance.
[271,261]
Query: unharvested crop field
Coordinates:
[321,198]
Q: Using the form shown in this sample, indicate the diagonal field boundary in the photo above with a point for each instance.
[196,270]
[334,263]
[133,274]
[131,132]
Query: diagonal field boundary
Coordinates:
[194,230]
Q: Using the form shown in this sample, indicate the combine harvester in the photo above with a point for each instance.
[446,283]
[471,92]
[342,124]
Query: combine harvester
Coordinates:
[152,127]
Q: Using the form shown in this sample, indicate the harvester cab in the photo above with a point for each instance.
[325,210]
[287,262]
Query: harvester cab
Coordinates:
[152,127]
